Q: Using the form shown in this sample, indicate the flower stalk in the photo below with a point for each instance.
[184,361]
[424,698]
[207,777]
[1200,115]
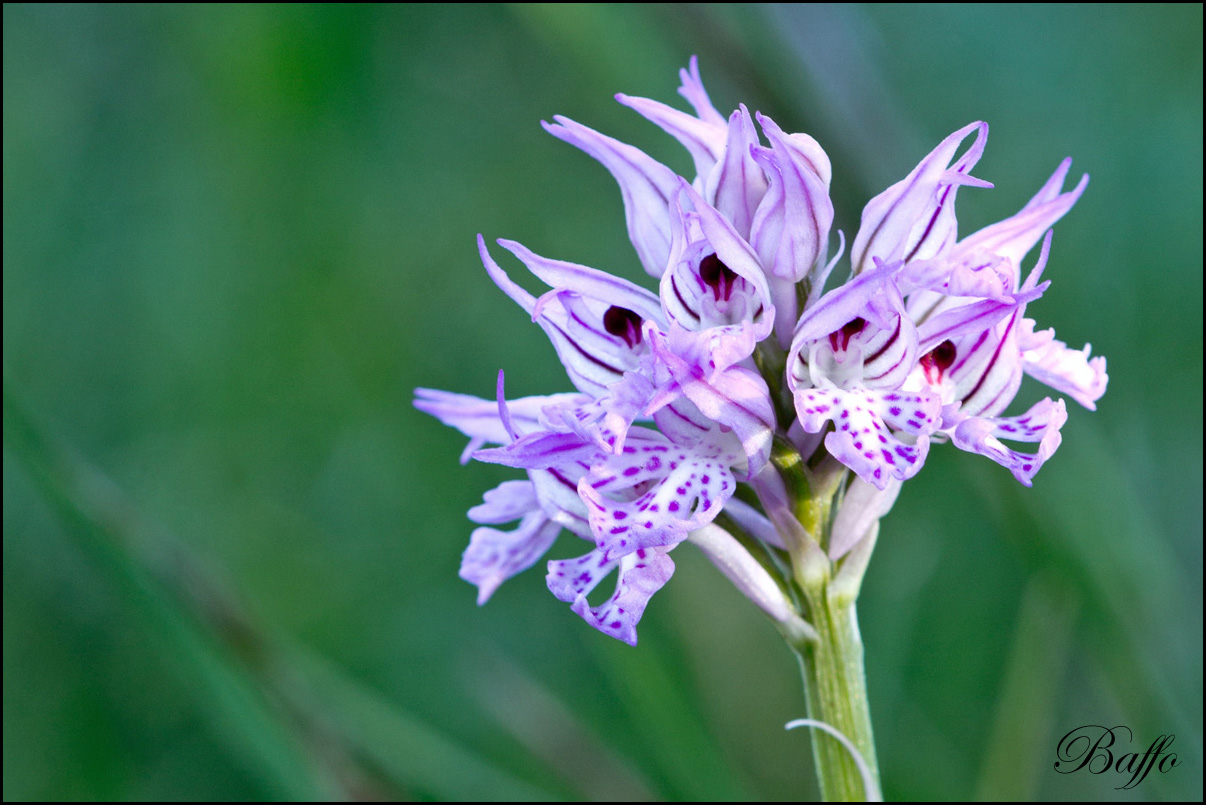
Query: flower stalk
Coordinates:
[835,690]
[831,660]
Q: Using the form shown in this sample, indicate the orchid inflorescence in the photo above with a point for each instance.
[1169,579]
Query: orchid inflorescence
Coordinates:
[742,370]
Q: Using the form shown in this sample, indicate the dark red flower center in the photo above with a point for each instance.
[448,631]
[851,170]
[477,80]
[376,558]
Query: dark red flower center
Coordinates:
[935,362]
[623,323]
[717,276]
[840,339]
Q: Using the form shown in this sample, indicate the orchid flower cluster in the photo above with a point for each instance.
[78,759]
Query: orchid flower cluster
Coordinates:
[742,358]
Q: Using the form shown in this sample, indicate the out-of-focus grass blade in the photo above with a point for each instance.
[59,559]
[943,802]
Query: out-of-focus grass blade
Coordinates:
[305,735]
[405,750]
[1132,574]
[1033,679]
[618,44]
[675,737]
[110,532]
[546,726]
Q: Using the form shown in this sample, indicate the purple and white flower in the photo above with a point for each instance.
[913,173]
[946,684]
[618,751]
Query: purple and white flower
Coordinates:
[684,390]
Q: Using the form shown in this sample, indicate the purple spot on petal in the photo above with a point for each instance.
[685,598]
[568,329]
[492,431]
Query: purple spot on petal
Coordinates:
[894,410]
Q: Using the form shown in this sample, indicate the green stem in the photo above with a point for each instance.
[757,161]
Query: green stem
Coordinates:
[835,689]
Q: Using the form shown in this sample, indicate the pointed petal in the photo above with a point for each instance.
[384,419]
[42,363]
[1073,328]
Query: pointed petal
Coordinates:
[739,567]
[646,184]
[571,579]
[1014,237]
[791,229]
[505,503]
[693,90]
[588,282]
[862,505]
[540,450]
[1070,371]
[914,219]
[737,185]
[704,140]
[980,275]
[575,316]
[493,556]
[753,522]
[641,574]
[479,419]
[971,318]
[606,421]
[1040,424]
[517,293]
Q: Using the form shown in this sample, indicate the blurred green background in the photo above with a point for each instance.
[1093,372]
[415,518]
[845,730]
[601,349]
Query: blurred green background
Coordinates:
[236,238]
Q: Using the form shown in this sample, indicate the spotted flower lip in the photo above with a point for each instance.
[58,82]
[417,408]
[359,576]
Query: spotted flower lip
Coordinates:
[684,385]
